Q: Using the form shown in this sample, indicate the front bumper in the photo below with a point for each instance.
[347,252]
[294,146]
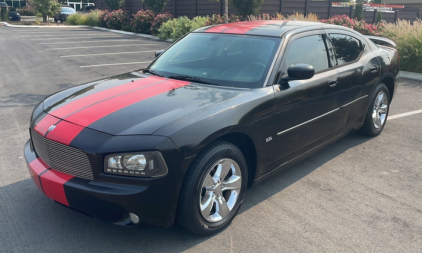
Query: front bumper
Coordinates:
[152,200]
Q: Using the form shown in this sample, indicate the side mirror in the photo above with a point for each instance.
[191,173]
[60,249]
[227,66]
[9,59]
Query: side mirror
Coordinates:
[158,53]
[299,72]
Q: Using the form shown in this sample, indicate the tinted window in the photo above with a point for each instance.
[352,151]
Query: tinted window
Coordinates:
[309,50]
[347,48]
[229,60]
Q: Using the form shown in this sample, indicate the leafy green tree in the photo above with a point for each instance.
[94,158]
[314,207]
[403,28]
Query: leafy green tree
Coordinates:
[359,11]
[247,7]
[114,4]
[379,17]
[46,7]
[155,5]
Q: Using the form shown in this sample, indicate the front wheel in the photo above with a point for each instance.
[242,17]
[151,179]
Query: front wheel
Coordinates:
[213,189]
[377,114]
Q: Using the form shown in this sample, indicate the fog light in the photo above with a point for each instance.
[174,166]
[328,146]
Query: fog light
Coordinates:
[134,218]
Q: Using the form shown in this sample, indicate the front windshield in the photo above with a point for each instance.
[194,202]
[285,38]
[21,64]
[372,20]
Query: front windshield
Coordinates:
[223,59]
[67,9]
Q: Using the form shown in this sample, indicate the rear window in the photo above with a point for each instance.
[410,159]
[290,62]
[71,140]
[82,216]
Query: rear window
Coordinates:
[347,48]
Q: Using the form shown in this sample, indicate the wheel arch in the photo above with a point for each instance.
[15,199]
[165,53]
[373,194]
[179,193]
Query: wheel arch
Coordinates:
[388,80]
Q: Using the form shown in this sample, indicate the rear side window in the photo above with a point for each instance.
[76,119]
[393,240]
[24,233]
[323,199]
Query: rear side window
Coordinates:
[347,48]
[309,50]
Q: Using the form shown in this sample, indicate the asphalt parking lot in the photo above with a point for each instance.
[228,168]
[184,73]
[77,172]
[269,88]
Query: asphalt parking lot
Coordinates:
[358,195]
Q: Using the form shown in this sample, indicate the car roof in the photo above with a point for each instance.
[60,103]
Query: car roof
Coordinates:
[274,28]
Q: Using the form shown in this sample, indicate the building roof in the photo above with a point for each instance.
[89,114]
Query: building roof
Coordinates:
[274,28]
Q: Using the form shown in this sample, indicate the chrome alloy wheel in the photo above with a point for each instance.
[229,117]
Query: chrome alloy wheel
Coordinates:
[379,112]
[220,190]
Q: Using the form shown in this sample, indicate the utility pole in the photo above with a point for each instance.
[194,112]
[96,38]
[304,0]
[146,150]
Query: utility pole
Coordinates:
[226,11]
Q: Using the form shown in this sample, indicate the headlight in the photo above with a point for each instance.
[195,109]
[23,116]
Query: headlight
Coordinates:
[143,164]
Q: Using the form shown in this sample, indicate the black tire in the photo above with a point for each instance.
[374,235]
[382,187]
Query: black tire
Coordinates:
[368,127]
[188,211]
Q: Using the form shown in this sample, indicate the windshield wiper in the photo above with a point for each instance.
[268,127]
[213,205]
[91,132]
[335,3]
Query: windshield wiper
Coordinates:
[152,72]
[193,79]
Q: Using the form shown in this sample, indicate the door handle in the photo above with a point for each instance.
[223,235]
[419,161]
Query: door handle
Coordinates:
[374,69]
[332,82]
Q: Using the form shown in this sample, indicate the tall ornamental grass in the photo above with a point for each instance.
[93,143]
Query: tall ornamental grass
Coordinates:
[408,38]
[92,18]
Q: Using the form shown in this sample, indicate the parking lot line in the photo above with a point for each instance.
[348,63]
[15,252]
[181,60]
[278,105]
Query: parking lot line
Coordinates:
[68,48]
[90,34]
[61,30]
[114,64]
[105,35]
[401,115]
[84,55]
[86,41]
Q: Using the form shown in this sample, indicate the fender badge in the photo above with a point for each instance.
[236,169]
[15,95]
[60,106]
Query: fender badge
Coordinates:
[51,127]
[269,139]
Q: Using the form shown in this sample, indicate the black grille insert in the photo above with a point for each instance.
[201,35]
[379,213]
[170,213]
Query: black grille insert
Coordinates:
[61,157]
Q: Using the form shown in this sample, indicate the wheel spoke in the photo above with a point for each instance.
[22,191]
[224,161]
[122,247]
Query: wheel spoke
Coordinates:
[207,203]
[233,183]
[383,109]
[222,170]
[208,182]
[222,208]
[378,121]
[380,99]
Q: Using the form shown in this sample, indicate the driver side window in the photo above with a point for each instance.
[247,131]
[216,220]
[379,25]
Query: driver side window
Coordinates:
[308,50]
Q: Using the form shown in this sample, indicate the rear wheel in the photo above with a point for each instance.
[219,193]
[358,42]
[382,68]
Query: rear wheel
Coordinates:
[213,189]
[377,114]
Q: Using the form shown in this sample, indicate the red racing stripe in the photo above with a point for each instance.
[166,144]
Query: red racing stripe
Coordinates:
[52,182]
[247,26]
[95,112]
[45,123]
[37,167]
[64,132]
[83,118]
[83,102]
[222,28]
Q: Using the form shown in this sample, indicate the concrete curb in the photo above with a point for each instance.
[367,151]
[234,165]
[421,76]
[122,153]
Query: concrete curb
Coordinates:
[131,33]
[410,76]
[45,26]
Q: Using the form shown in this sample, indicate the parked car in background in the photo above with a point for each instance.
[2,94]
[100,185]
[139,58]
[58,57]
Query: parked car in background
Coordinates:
[63,14]
[219,110]
[14,16]
[87,9]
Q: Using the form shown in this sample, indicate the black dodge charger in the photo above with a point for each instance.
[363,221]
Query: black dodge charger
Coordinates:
[219,110]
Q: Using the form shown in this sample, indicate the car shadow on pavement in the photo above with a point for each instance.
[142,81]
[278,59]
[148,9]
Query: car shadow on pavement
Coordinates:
[21,100]
[31,222]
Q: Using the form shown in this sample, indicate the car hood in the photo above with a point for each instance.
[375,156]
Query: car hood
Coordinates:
[132,103]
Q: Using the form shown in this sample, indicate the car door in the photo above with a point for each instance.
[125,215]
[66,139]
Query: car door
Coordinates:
[358,70]
[306,110]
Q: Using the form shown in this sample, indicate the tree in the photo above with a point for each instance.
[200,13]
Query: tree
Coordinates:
[247,7]
[379,17]
[155,5]
[376,1]
[46,7]
[359,11]
[114,4]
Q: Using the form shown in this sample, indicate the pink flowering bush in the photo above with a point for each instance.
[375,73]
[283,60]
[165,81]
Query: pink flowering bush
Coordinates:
[142,21]
[355,24]
[216,19]
[116,19]
[159,20]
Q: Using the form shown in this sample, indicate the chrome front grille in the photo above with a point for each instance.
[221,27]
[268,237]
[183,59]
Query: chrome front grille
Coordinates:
[61,157]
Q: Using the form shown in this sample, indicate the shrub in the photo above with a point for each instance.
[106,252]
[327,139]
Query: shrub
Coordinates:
[116,19]
[142,21]
[218,19]
[101,21]
[92,18]
[159,20]
[26,12]
[73,19]
[311,17]
[409,43]
[176,28]
[247,7]
[355,24]
[127,28]
[155,5]
[359,11]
